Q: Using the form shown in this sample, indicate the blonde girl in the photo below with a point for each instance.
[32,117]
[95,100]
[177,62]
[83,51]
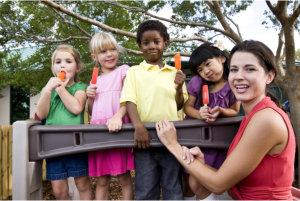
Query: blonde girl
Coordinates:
[104,106]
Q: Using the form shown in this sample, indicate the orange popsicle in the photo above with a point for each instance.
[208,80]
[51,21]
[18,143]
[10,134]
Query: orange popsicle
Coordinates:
[205,94]
[95,75]
[62,75]
[177,62]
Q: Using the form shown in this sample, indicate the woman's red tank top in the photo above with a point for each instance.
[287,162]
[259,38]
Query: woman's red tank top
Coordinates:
[272,179]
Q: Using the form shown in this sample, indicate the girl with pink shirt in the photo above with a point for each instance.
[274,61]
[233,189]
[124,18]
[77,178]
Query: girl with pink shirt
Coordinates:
[104,106]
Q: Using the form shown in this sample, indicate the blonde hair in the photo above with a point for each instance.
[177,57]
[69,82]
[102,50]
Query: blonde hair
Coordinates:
[102,41]
[73,52]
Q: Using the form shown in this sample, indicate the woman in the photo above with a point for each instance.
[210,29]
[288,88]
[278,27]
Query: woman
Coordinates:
[260,160]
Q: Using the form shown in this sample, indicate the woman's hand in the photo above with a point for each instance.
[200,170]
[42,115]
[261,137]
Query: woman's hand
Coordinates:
[186,155]
[189,155]
[197,153]
[166,132]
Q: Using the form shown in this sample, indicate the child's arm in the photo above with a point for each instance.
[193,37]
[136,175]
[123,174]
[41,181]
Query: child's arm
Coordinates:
[179,81]
[142,137]
[232,111]
[114,124]
[91,93]
[75,104]
[190,111]
[43,105]
[225,112]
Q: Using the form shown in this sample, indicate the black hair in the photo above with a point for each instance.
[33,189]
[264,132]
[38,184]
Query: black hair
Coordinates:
[152,25]
[265,58]
[203,53]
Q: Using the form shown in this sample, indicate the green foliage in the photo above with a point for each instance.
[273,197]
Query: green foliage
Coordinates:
[272,22]
[20,104]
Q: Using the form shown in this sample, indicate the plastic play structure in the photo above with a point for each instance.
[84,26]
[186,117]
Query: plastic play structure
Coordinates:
[33,142]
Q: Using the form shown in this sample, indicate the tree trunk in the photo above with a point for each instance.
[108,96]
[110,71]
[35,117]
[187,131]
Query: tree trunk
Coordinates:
[294,101]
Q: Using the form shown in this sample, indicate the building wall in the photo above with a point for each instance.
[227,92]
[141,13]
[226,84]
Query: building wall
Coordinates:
[33,103]
[5,106]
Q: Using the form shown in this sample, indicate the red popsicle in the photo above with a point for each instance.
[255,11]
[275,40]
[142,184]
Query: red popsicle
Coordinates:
[95,75]
[177,62]
[205,95]
[62,75]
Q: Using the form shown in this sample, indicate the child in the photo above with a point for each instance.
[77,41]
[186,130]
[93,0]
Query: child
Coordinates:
[153,90]
[62,102]
[104,105]
[260,159]
[209,64]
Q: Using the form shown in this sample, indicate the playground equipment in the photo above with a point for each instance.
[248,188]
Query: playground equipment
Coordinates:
[33,142]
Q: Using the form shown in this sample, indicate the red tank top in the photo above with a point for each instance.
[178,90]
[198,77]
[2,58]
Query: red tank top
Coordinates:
[272,179]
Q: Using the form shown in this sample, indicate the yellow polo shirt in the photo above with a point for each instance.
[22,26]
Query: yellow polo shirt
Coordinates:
[153,91]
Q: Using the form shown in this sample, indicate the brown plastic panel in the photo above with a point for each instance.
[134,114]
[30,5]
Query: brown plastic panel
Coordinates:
[50,141]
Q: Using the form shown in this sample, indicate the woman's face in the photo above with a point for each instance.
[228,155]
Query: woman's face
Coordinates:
[247,78]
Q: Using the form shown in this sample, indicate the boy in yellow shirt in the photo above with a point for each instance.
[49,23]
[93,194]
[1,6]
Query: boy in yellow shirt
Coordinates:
[152,91]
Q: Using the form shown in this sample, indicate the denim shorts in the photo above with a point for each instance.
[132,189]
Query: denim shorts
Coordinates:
[157,168]
[62,167]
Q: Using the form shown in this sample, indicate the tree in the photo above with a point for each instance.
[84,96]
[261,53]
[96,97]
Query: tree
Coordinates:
[74,22]
[298,55]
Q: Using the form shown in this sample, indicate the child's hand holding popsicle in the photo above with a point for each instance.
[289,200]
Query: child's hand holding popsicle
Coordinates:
[91,90]
[54,83]
[205,110]
[180,76]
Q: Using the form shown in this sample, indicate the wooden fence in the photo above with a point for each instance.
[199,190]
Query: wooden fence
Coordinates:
[5,162]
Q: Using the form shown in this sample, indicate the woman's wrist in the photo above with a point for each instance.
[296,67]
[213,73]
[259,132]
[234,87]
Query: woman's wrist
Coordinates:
[174,148]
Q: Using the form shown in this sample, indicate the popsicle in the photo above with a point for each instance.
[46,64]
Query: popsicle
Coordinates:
[62,75]
[205,95]
[177,62]
[95,75]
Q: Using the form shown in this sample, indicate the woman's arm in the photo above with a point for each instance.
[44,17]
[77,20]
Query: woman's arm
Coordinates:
[266,132]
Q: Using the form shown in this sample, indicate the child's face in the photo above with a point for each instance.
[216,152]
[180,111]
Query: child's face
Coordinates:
[247,78]
[107,59]
[64,61]
[153,45]
[212,70]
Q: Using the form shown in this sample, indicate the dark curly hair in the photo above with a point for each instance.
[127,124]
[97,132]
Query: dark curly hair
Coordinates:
[152,25]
